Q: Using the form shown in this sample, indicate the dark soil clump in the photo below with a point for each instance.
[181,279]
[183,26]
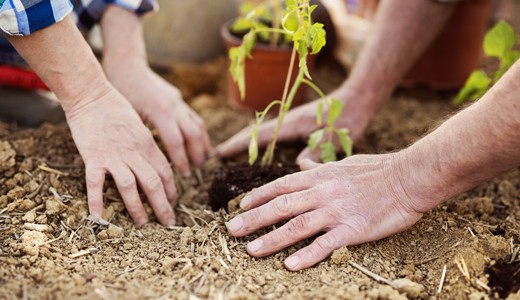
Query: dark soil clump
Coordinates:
[234,180]
[504,278]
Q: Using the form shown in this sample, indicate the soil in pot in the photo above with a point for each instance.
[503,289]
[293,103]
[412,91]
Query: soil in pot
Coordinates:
[504,278]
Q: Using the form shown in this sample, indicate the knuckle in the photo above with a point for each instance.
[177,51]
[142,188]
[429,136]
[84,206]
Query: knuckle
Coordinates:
[153,182]
[194,133]
[166,173]
[127,182]
[282,206]
[281,184]
[326,243]
[94,179]
[298,224]
[253,217]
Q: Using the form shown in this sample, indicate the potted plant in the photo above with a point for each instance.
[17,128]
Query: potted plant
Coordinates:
[268,59]
[307,38]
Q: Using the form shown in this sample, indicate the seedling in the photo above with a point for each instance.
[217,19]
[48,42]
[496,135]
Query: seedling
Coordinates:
[307,38]
[498,42]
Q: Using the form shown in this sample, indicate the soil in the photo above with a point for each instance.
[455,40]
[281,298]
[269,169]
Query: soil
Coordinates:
[234,180]
[50,249]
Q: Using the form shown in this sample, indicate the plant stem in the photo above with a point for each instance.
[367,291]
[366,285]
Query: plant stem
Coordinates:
[318,91]
[276,22]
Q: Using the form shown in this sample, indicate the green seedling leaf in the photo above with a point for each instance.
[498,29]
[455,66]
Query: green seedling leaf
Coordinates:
[476,85]
[327,152]
[317,34]
[506,62]
[241,24]
[335,109]
[315,138]
[319,113]
[246,8]
[345,141]
[499,40]
[248,42]
[264,35]
[237,57]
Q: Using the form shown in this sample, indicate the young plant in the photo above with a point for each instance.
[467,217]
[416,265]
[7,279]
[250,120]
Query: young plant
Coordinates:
[498,42]
[296,25]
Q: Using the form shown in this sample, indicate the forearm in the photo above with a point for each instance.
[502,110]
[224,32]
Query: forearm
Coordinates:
[122,36]
[63,59]
[402,32]
[475,145]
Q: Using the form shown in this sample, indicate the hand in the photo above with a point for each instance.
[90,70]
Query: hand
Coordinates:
[356,200]
[300,122]
[181,129]
[112,139]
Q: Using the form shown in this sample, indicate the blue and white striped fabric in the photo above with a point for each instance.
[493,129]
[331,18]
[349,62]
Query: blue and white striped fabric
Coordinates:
[23,17]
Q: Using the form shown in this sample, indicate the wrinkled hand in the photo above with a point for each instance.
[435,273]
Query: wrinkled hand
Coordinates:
[299,123]
[111,138]
[182,131]
[356,200]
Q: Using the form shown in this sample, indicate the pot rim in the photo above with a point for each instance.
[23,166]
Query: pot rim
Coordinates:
[226,34]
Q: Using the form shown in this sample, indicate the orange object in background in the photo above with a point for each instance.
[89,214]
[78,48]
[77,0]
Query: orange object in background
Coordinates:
[20,78]
[456,52]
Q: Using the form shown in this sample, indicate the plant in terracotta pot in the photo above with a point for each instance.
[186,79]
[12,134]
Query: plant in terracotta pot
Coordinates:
[258,43]
[307,38]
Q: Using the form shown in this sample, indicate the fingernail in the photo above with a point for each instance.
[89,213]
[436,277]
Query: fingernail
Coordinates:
[246,202]
[255,245]
[235,224]
[142,221]
[292,262]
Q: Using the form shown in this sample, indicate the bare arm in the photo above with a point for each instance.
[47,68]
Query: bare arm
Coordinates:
[181,129]
[108,133]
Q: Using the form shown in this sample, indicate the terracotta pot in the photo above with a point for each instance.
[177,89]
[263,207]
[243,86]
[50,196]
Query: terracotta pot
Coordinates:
[265,75]
[457,50]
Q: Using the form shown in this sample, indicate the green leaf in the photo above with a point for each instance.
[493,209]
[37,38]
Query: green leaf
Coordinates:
[248,42]
[476,85]
[317,35]
[319,113]
[237,56]
[241,24]
[345,141]
[327,152]
[314,139]
[499,39]
[335,110]
[253,146]
[246,8]
[506,62]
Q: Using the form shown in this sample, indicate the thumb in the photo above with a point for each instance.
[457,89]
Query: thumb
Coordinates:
[309,155]
[307,164]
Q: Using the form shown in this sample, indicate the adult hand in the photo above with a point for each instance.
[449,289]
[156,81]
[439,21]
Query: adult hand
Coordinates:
[112,139]
[182,131]
[300,122]
[356,200]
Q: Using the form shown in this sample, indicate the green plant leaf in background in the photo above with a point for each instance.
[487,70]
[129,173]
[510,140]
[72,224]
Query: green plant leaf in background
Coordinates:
[317,35]
[253,146]
[241,24]
[499,40]
[315,138]
[335,109]
[476,85]
[345,141]
[327,152]
[506,62]
[319,113]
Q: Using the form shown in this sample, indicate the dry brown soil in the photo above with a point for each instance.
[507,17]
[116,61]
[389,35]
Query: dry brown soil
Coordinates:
[49,250]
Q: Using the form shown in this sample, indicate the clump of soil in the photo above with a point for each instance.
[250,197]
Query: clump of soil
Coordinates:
[236,179]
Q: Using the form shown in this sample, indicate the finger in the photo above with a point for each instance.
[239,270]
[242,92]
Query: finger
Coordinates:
[307,164]
[152,186]
[284,185]
[163,169]
[240,141]
[277,210]
[307,154]
[297,229]
[193,138]
[205,136]
[321,248]
[95,178]
[126,184]
[174,143]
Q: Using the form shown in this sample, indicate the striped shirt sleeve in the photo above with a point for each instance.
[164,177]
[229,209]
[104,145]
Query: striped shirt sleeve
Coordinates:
[88,12]
[23,17]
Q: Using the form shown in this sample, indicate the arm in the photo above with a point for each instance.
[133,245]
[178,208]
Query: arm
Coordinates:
[181,129]
[108,133]
[368,197]
[399,37]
